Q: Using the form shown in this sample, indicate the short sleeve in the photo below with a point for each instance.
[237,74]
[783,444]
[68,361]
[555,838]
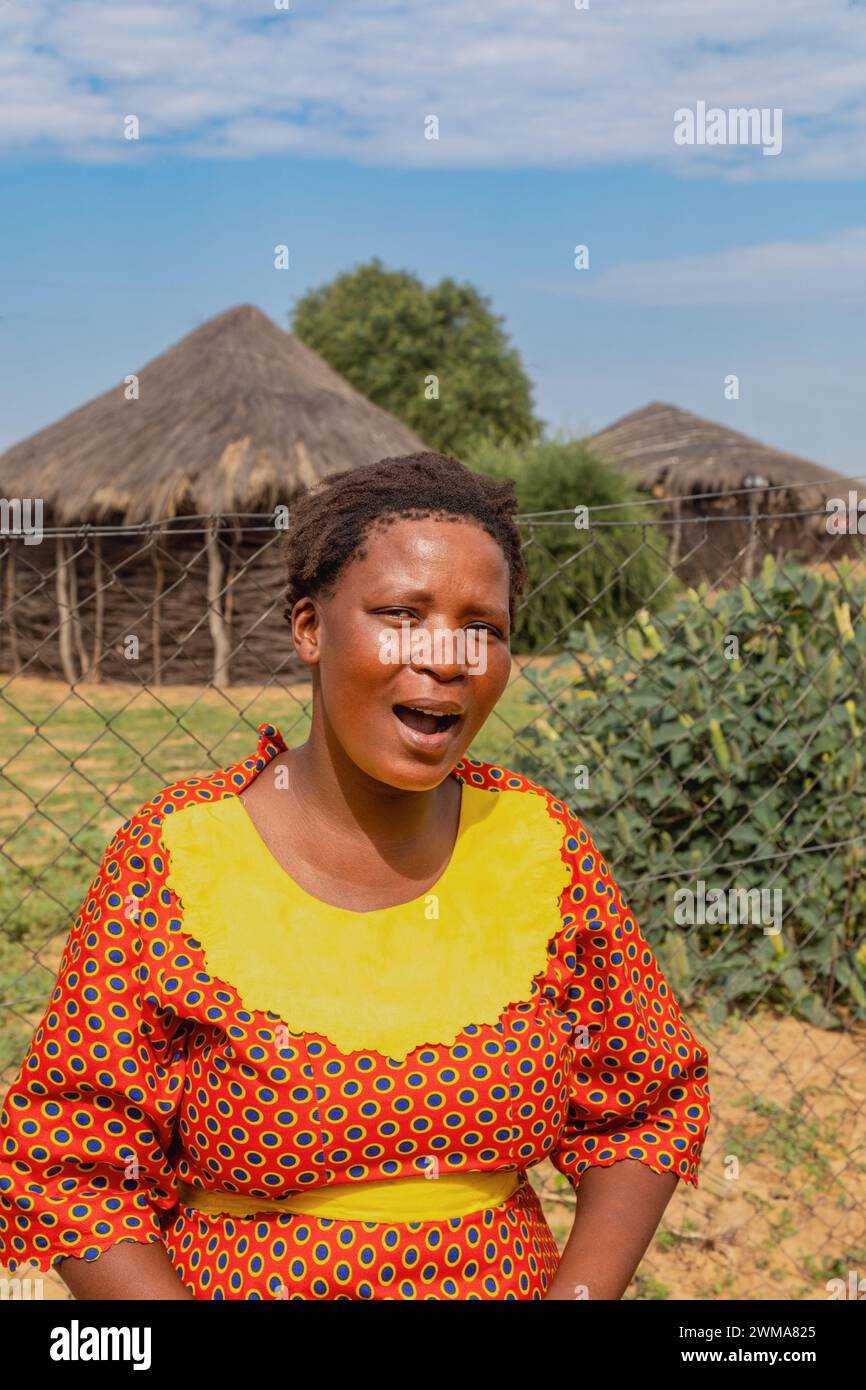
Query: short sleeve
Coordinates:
[639,1080]
[87,1125]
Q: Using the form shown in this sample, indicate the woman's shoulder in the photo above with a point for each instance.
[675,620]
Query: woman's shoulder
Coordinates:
[143,831]
[518,786]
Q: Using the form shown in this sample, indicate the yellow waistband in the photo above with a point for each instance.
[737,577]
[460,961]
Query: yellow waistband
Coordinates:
[416,1198]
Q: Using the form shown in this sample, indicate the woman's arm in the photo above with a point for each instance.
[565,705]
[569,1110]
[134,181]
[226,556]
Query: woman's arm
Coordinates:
[617,1211]
[89,1122]
[130,1269]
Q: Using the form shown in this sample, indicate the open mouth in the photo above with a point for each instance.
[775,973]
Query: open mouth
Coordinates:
[423,721]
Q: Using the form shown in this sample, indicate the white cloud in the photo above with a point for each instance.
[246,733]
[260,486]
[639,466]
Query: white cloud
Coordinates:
[774,272]
[513,83]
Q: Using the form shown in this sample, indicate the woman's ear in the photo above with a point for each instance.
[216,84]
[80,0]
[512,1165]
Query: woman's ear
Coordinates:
[306,631]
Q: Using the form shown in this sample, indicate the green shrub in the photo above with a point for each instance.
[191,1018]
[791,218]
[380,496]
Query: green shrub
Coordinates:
[607,570]
[698,762]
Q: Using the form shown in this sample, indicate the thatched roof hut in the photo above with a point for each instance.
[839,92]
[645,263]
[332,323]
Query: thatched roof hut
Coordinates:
[234,419]
[708,470]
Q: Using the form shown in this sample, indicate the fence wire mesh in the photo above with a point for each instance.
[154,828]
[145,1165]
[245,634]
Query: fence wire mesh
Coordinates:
[691,687]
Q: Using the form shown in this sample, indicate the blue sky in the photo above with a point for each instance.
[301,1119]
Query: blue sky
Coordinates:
[306,128]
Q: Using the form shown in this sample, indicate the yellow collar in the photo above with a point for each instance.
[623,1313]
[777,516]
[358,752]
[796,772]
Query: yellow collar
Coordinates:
[393,979]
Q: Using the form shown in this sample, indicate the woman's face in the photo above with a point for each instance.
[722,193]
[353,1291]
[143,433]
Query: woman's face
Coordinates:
[420,620]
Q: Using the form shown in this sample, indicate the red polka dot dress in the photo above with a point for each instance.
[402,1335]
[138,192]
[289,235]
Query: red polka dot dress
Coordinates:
[215,1029]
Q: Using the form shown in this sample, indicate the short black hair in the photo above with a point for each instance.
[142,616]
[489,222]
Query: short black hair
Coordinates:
[329,523]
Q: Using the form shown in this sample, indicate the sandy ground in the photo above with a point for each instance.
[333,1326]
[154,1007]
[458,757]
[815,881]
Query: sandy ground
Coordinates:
[780,1206]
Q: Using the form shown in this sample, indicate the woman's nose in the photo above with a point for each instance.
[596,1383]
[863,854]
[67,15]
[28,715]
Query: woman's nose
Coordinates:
[449,651]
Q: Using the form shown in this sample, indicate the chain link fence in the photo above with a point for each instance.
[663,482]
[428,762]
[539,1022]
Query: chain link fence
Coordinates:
[691,684]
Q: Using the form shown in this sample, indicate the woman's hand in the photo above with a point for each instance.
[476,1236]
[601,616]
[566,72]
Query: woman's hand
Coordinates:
[617,1211]
[131,1270]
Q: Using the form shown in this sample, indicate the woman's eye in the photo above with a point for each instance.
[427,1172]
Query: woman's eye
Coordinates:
[395,612]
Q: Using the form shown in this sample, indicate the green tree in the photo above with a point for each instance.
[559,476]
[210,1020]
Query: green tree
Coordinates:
[605,572]
[387,334]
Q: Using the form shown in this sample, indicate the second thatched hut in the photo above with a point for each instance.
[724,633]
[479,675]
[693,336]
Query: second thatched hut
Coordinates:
[726,499]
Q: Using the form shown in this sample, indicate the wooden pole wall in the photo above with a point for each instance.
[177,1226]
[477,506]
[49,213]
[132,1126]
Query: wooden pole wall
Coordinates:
[98,611]
[215,610]
[10,628]
[158,560]
[64,613]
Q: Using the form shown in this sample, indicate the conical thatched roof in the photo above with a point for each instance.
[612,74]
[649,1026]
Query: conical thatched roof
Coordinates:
[667,448]
[232,418]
